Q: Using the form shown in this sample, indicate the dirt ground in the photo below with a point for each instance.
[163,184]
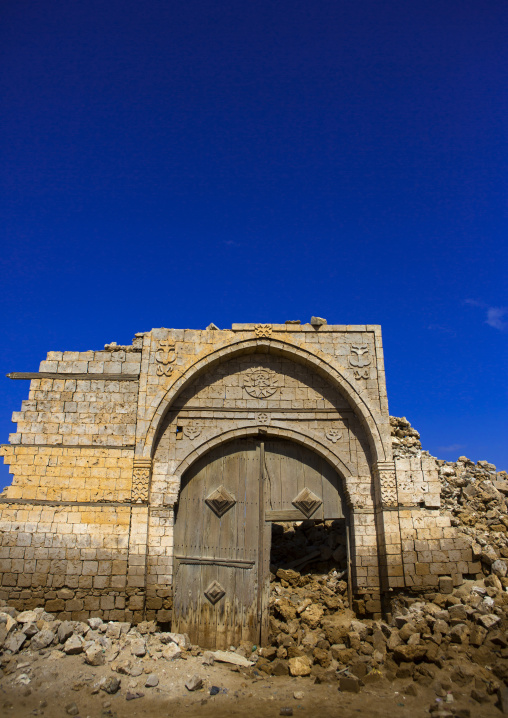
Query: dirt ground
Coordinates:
[55,683]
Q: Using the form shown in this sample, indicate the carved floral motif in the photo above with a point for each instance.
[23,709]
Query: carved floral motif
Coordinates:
[263,418]
[333,435]
[260,382]
[165,356]
[263,330]
[192,431]
[359,355]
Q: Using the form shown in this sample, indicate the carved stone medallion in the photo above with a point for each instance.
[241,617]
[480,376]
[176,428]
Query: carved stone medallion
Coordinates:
[263,418]
[165,356]
[307,502]
[192,431]
[263,330]
[214,592]
[333,435]
[260,382]
[220,501]
[359,355]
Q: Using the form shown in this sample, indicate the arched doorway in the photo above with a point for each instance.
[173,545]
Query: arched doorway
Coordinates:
[228,500]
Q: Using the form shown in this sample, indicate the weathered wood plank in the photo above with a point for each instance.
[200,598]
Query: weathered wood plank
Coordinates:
[285,515]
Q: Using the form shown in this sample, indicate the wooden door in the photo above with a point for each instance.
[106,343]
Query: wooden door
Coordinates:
[222,533]
[217,547]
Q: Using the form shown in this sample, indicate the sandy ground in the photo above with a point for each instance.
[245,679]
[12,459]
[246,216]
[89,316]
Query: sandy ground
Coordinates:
[57,683]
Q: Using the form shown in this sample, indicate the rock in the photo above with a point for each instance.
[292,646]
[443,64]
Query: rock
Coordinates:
[14,641]
[95,656]
[42,640]
[230,657]
[411,690]
[479,696]
[65,631]
[111,685]
[360,628]
[299,666]
[181,639]
[71,709]
[298,695]
[322,657]
[477,635]
[488,621]
[318,321]
[132,696]
[458,611]
[152,681]
[498,568]
[73,645]
[27,617]
[208,659]
[194,683]
[459,633]
[445,584]
[409,653]
[113,630]
[95,623]
[502,699]
[138,648]
[30,629]
[335,628]
[405,670]
[488,555]
[394,641]
[349,684]
[171,652]
[280,667]
[407,631]
[8,621]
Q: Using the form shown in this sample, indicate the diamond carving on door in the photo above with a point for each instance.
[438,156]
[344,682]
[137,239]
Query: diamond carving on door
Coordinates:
[220,501]
[214,592]
[307,502]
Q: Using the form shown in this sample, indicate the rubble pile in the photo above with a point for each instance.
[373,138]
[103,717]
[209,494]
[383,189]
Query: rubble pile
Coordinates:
[405,439]
[476,495]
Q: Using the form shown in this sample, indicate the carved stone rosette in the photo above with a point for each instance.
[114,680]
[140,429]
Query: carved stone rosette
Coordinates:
[260,382]
[140,480]
[263,330]
[385,471]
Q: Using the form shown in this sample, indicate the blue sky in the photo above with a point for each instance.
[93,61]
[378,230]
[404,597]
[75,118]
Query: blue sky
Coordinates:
[173,164]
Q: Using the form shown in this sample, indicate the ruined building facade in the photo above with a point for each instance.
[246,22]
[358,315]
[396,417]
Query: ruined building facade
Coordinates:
[145,476]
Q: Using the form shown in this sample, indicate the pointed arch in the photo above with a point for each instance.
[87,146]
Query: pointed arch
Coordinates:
[343,469]
[316,361]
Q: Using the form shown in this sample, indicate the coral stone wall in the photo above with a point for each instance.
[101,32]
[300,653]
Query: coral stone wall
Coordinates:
[102,443]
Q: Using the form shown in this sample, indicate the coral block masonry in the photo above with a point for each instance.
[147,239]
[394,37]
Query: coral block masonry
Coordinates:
[110,444]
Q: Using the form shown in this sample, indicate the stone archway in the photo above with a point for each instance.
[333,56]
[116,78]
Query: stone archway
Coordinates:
[359,402]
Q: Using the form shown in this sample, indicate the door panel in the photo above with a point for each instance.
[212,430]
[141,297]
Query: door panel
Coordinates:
[290,469]
[217,545]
